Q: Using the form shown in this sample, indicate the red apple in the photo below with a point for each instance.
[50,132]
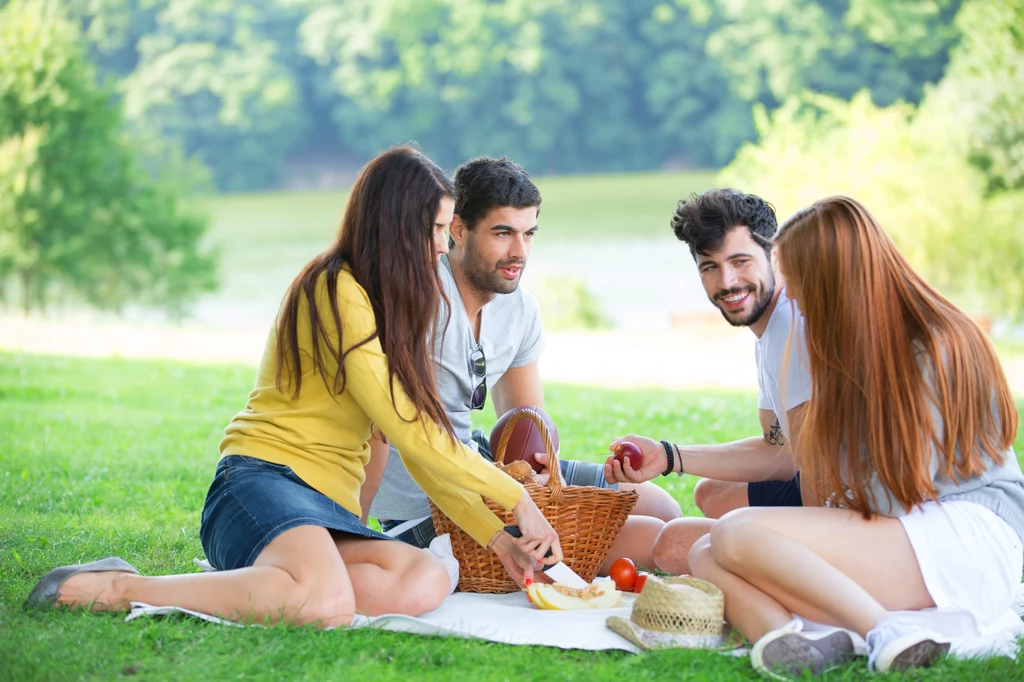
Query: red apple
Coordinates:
[632,451]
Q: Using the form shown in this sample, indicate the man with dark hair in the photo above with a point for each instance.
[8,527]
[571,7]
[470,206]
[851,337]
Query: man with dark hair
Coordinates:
[730,238]
[488,344]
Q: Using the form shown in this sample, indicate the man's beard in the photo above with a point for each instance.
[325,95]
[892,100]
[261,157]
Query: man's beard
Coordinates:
[761,303]
[485,278]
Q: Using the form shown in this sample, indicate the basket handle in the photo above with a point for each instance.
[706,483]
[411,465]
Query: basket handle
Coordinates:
[554,471]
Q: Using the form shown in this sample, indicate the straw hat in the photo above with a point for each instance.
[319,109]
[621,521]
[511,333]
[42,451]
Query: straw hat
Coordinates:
[675,612]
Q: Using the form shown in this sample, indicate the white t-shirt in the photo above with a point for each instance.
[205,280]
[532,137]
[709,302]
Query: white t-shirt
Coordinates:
[783,385]
[511,335]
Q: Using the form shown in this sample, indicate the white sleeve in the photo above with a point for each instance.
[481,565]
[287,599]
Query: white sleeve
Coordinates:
[795,384]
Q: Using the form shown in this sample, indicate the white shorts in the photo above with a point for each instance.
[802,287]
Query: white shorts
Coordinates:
[970,558]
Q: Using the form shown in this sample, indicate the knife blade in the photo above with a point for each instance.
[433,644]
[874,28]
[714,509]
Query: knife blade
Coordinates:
[558,571]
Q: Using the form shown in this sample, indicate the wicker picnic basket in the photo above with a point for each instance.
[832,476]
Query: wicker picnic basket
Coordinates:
[587,520]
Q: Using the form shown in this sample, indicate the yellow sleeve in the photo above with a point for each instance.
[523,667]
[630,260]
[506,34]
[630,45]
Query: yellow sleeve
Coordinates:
[451,474]
[466,509]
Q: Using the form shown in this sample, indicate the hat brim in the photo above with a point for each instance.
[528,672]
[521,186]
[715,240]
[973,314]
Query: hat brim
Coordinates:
[649,640]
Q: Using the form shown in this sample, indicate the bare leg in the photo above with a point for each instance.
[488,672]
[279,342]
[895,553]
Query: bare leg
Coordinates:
[747,608]
[824,564]
[672,546]
[635,542]
[393,577]
[299,578]
[374,471]
[653,501]
[718,498]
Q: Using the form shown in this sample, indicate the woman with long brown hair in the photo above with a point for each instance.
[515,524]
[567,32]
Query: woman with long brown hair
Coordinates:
[348,357]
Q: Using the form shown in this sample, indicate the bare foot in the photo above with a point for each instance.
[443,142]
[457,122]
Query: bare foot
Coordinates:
[100,591]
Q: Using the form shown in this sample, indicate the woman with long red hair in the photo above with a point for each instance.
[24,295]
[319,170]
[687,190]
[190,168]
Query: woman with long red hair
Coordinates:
[913,495]
[347,357]
[907,442]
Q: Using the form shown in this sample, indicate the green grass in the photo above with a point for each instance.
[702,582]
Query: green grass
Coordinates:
[102,457]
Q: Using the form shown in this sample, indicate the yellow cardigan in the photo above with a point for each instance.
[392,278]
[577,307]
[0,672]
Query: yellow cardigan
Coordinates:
[324,437]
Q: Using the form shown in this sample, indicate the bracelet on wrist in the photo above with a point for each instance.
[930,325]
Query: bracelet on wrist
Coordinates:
[670,457]
[679,456]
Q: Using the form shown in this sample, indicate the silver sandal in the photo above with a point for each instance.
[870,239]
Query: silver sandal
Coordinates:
[46,591]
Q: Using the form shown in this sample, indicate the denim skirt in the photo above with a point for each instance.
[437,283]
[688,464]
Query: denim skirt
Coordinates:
[252,501]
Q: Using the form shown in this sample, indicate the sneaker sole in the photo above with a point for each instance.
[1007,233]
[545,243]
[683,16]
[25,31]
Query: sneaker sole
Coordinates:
[924,654]
[793,653]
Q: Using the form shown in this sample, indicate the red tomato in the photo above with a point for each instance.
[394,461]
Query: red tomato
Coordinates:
[638,586]
[623,573]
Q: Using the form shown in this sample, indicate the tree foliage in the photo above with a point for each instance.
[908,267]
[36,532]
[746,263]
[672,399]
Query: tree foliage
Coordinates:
[82,213]
[560,85]
[984,87]
[933,175]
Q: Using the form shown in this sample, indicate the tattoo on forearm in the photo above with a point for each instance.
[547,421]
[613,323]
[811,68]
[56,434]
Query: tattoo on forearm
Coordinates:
[774,435]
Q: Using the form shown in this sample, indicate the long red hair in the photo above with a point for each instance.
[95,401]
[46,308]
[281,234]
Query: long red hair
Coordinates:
[869,318]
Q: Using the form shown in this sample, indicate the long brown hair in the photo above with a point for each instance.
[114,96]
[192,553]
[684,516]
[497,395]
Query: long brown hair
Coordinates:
[869,318]
[386,239]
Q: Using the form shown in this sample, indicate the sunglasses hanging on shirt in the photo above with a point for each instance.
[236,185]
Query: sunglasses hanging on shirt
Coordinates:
[479,365]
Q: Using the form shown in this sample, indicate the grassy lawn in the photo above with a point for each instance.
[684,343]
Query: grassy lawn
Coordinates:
[102,457]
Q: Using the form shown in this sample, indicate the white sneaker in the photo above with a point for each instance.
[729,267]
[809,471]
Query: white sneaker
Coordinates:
[787,652]
[897,645]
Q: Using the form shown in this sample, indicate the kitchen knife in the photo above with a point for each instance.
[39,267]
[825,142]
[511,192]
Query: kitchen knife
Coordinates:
[558,572]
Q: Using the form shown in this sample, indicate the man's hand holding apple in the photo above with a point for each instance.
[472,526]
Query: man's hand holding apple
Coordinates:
[634,459]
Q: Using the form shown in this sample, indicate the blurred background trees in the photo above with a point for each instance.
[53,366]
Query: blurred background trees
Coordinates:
[114,116]
[945,178]
[264,91]
[86,212]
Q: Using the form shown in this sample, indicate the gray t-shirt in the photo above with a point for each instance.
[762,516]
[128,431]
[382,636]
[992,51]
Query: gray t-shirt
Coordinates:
[511,335]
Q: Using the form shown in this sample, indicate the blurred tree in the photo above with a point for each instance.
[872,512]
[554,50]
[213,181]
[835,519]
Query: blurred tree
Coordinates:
[773,50]
[112,30]
[689,94]
[212,75]
[78,211]
[561,85]
[983,89]
[927,196]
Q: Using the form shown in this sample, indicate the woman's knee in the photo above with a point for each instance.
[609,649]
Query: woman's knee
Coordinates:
[700,558]
[734,536]
[427,584]
[311,586]
[325,606]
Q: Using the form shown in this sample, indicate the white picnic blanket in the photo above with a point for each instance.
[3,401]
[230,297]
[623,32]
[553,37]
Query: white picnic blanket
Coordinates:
[505,618]
[511,619]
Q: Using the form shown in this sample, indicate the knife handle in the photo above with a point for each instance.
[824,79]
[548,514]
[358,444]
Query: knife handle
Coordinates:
[516,533]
